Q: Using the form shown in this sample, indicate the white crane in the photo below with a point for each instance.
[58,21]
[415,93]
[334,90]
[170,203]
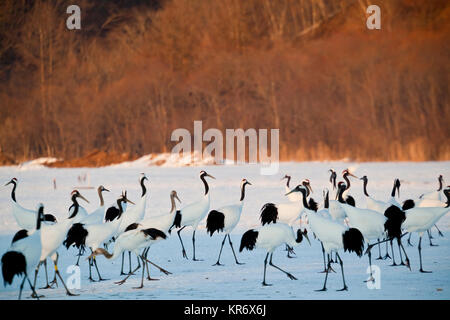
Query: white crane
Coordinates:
[375,226]
[270,237]
[98,214]
[94,235]
[436,195]
[335,236]
[25,218]
[162,222]
[23,255]
[52,236]
[225,219]
[134,215]
[422,219]
[193,213]
[381,206]
[133,240]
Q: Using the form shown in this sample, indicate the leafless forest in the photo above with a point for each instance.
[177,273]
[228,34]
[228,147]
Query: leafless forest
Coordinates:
[137,70]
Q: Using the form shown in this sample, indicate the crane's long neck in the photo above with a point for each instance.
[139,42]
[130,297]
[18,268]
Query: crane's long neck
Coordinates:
[305,203]
[439,179]
[340,192]
[144,189]
[119,205]
[102,203]
[13,191]
[333,179]
[327,201]
[172,200]
[288,181]
[393,190]
[365,187]
[447,194]
[243,191]
[205,183]
[75,206]
[345,176]
[39,215]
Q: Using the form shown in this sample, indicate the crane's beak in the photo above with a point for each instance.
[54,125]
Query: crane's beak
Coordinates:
[176,197]
[208,175]
[248,182]
[129,201]
[351,174]
[80,196]
[8,183]
[104,189]
[290,192]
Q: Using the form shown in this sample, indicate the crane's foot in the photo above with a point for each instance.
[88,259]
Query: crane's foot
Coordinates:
[371,279]
[266,284]
[290,276]
[345,288]
[217,264]
[423,271]
[152,279]
[323,289]
[140,287]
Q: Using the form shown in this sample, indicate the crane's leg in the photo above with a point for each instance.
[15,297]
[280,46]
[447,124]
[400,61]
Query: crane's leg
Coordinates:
[121,269]
[232,249]
[90,270]
[46,276]
[98,272]
[21,288]
[183,251]
[265,266]
[379,251]
[326,276]
[144,255]
[126,278]
[324,260]
[440,233]
[420,256]
[79,255]
[370,267]
[55,262]
[193,245]
[290,276]
[409,240]
[387,256]
[345,288]
[430,237]
[393,256]
[129,261]
[34,295]
[36,271]
[400,252]
[143,272]
[220,252]
[399,240]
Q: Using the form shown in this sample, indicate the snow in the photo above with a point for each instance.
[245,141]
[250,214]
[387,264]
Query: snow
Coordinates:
[201,280]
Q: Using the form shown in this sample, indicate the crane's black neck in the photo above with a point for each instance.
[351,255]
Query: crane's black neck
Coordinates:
[345,176]
[439,179]
[340,192]
[172,200]
[365,187]
[144,189]
[39,217]
[288,181]
[305,184]
[243,191]
[393,188]
[75,205]
[305,203]
[327,200]
[13,191]
[202,177]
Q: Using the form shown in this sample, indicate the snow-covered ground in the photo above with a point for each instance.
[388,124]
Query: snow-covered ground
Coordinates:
[201,280]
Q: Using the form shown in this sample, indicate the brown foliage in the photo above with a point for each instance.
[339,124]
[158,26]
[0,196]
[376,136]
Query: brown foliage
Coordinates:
[138,70]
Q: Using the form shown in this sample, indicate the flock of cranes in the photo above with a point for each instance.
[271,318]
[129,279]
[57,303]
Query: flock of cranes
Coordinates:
[339,224]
